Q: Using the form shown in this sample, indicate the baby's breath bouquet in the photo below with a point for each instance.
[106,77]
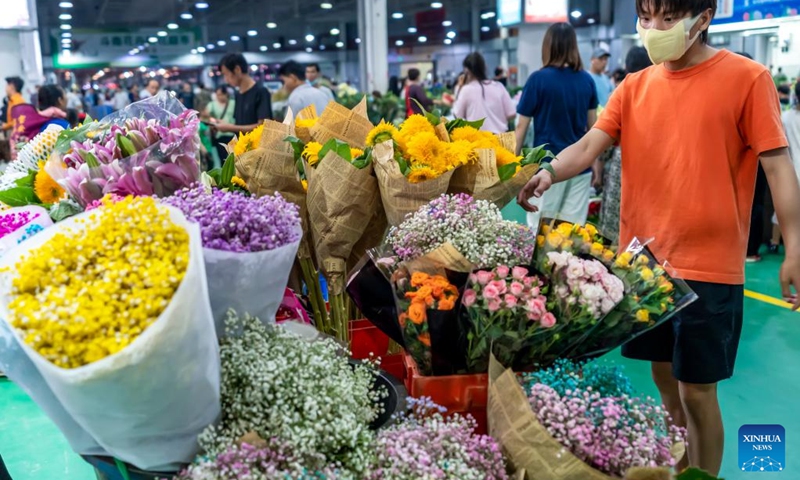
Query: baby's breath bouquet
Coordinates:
[304,393]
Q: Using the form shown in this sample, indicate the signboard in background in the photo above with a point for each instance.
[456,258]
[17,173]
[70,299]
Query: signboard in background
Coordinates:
[731,11]
[509,12]
[15,15]
[545,11]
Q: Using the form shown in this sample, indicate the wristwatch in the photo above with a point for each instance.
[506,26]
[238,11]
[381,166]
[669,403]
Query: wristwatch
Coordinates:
[546,166]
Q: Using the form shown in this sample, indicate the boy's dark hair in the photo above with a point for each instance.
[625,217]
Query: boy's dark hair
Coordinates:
[233,60]
[17,82]
[49,95]
[292,68]
[413,74]
[679,7]
[560,47]
[315,66]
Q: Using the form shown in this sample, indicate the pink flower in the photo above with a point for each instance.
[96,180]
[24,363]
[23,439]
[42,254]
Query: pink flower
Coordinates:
[517,289]
[548,320]
[491,292]
[519,273]
[500,285]
[469,297]
[537,306]
[535,292]
[533,317]
[494,305]
[484,277]
[502,271]
[473,278]
[511,301]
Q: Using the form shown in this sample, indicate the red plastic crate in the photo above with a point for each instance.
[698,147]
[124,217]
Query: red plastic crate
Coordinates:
[366,341]
[464,394]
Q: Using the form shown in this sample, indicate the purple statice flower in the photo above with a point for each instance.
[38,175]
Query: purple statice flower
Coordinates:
[476,228]
[11,222]
[611,434]
[234,222]
[425,444]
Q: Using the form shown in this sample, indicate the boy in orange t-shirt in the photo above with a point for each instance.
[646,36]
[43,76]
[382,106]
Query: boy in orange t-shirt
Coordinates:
[692,130]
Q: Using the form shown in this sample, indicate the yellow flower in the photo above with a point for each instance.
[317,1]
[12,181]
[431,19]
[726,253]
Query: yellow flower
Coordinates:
[624,260]
[505,157]
[478,138]
[597,249]
[591,230]
[565,229]
[381,133]
[239,182]
[306,122]
[666,286]
[646,274]
[305,185]
[410,128]
[545,229]
[643,315]
[425,148]
[540,240]
[47,189]
[311,153]
[248,141]
[642,260]
[355,153]
[458,153]
[555,239]
[421,173]
[608,255]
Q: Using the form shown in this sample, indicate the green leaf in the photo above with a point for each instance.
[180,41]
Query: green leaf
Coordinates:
[27,180]
[301,169]
[215,174]
[364,160]
[64,210]
[228,171]
[339,147]
[403,164]
[91,160]
[297,146]
[506,172]
[535,156]
[126,146]
[460,122]
[696,474]
[19,197]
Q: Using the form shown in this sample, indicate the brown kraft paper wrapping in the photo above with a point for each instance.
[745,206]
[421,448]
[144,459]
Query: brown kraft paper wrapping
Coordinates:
[373,235]
[304,133]
[399,196]
[349,126]
[525,442]
[342,201]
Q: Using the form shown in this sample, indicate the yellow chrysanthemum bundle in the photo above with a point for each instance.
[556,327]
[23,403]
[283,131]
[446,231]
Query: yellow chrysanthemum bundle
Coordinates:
[84,295]
[306,123]
[480,139]
[248,141]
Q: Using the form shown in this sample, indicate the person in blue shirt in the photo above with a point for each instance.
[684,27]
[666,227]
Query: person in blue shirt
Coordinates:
[561,98]
[597,70]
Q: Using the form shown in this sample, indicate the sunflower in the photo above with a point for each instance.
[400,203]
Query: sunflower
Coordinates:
[425,148]
[47,189]
[505,157]
[421,173]
[311,153]
[478,138]
[305,185]
[306,122]
[381,133]
[248,141]
[355,153]
[459,153]
[413,126]
[239,182]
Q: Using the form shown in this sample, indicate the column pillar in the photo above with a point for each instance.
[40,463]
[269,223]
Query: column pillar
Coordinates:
[529,49]
[475,25]
[341,69]
[21,54]
[373,30]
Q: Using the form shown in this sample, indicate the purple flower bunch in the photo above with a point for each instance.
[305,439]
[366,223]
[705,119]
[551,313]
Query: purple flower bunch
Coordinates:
[234,222]
[609,433]
[274,460]
[11,222]
[140,158]
[427,445]
[476,228]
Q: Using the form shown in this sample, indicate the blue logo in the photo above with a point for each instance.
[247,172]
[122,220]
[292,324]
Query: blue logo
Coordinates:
[762,448]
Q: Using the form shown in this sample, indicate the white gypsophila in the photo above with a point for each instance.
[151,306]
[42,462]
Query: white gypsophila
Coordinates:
[305,393]
[28,158]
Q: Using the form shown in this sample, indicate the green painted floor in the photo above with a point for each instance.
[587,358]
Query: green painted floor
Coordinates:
[764,390]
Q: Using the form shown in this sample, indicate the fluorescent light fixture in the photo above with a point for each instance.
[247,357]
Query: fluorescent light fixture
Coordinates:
[142,69]
[235,38]
[412,29]
[422,39]
[153,39]
[447,41]
[254,68]
[309,49]
[397,15]
[272,25]
[451,34]
[358,40]
[66,27]
[276,45]
[591,21]
[436,5]
[201,49]
[221,43]
[186,16]
[309,38]
[322,47]
[66,34]
[576,14]
[447,23]
[66,41]
[65,4]
[487,15]
[201,5]
[326,5]
[194,51]
[339,44]
[162,33]
[485,28]
[172,26]
[252,33]
[292,41]
[399,43]
[65,16]
[263,48]
[211,46]
[335,31]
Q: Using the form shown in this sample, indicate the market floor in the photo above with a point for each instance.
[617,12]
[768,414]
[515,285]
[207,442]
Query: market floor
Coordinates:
[764,391]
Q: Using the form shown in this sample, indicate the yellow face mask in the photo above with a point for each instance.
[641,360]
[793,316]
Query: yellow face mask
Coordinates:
[668,45]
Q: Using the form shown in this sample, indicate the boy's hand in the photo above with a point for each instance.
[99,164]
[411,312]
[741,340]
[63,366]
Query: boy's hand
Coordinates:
[790,278]
[536,186]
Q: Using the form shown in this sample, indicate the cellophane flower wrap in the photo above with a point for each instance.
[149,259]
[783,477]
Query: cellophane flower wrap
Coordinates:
[101,301]
[426,445]
[152,154]
[582,240]
[506,315]
[21,223]
[249,246]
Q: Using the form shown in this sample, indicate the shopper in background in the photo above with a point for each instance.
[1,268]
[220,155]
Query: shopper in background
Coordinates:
[13,93]
[618,76]
[480,98]
[791,124]
[415,94]
[186,95]
[121,99]
[785,97]
[151,89]
[598,71]
[53,105]
[608,169]
[316,80]
[301,93]
[561,98]
[133,93]
[202,98]
[221,110]
[74,101]
[690,187]
[253,101]
[500,76]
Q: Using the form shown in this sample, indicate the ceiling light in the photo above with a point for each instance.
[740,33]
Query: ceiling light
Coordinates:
[309,49]
[451,34]
[591,21]
[422,39]
[133,52]
[254,68]
[576,14]
[66,27]
[66,34]
[309,38]
[397,15]
[252,33]
[292,41]
[412,29]
[186,16]
[65,16]
[399,43]
[172,26]
[276,45]
[322,47]
[272,25]
[142,69]
[235,38]
[65,4]
[487,15]
[358,40]
[221,43]
[153,40]
[201,49]
[263,48]
[485,28]
[201,5]
[339,44]
[66,41]
[194,51]
[447,41]
[210,46]
[436,4]
[162,33]
[447,23]
[335,31]
[326,5]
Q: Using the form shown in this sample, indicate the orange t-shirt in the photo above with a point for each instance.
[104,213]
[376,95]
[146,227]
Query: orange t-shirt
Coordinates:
[691,141]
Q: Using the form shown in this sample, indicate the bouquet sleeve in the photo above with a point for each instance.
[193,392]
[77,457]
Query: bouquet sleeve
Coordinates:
[349,126]
[370,289]
[146,404]
[308,113]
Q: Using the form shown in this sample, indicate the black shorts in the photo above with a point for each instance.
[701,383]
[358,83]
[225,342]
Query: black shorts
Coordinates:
[702,340]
